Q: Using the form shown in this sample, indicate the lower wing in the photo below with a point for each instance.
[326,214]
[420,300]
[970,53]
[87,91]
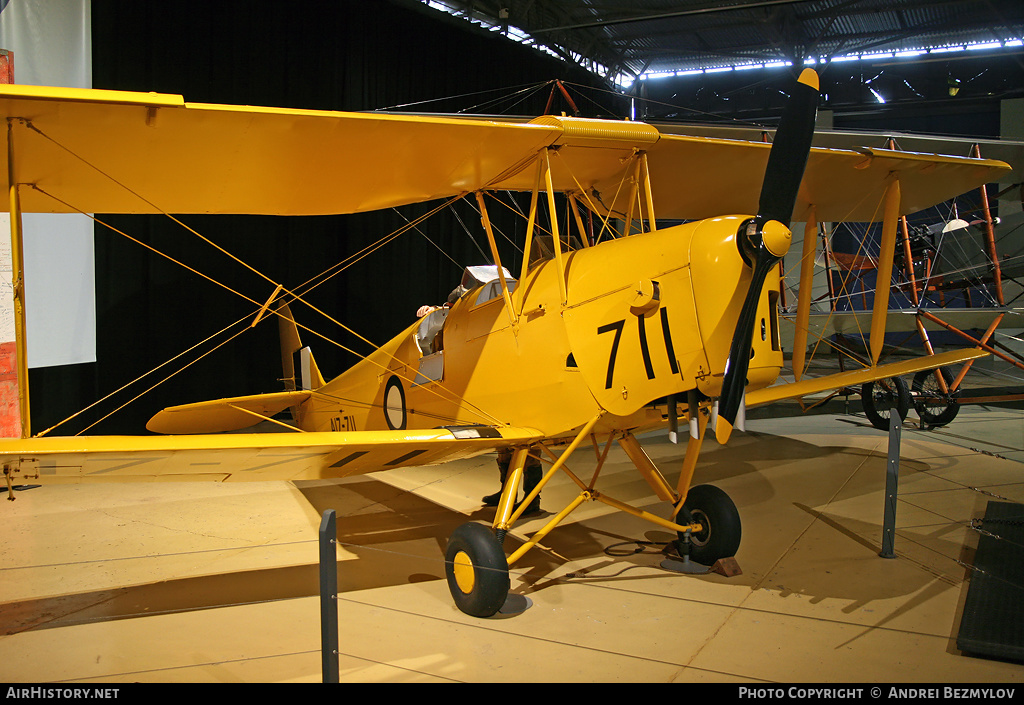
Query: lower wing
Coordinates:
[246,456]
[857,377]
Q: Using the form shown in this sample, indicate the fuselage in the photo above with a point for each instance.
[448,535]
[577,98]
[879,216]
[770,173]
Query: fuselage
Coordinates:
[642,317]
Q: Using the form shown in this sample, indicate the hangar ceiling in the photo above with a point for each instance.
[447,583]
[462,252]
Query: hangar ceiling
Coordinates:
[629,39]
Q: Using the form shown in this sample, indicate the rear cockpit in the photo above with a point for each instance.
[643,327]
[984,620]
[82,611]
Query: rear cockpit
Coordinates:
[479,285]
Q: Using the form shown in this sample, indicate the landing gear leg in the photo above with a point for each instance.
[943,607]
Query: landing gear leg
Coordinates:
[707,506]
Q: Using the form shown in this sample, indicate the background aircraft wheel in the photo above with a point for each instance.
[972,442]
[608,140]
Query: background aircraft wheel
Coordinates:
[477,570]
[934,407]
[878,396]
[720,537]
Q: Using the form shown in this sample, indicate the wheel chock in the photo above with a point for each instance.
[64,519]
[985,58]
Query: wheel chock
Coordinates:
[727,567]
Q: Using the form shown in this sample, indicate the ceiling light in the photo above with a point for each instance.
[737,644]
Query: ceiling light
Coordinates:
[987,45]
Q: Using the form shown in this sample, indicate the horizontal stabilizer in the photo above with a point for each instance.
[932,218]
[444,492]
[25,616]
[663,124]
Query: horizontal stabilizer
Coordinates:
[221,415]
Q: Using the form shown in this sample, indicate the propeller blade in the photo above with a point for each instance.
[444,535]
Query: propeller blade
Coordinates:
[789,151]
[736,365]
[766,237]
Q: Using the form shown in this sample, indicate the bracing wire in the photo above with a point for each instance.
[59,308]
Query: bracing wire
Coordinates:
[294,296]
[966,269]
[521,89]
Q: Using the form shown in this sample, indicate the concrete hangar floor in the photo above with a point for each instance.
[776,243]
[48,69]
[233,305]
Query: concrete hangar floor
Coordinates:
[211,582]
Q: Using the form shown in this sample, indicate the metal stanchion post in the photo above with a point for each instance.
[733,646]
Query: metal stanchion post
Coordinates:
[892,476]
[329,597]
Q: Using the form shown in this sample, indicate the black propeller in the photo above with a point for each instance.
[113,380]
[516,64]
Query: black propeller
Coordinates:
[766,237]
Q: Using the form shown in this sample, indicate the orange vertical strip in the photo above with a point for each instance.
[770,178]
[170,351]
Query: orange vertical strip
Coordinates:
[6,66]
[10,413]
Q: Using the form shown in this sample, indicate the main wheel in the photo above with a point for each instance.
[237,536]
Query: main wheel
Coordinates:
[719,536]
[878,398]
[477,570]
[934,407]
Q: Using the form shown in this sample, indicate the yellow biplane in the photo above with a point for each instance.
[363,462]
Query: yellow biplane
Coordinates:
[590,343]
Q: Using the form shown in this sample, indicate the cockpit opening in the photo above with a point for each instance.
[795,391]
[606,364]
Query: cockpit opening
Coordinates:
[485,281]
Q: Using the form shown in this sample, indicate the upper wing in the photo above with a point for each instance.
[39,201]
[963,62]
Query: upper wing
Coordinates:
[249,456]
[121,152]
[1009,151]
[704,178]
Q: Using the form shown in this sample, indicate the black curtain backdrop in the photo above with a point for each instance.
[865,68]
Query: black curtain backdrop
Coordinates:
[337,55]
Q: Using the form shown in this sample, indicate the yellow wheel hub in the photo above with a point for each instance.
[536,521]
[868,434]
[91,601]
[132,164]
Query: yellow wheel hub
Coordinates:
[465,575]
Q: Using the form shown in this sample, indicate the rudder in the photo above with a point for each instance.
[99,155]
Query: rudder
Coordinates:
[299,367]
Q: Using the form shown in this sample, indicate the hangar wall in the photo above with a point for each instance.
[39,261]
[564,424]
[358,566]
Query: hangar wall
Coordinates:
[341,55]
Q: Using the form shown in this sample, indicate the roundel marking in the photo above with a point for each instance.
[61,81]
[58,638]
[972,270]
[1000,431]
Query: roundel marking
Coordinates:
[394,404]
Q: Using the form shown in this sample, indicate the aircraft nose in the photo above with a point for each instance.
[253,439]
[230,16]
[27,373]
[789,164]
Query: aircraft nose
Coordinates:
[777,238]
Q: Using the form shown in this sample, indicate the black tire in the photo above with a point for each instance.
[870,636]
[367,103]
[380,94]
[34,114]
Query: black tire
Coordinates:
[877,398]
[717,514]
[477,570]
[934,407]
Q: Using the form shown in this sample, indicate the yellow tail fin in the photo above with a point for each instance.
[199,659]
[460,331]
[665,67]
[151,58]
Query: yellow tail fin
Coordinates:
[300,370]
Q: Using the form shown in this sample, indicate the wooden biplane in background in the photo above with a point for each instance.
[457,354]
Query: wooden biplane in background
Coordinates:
[947,282]
[586,344]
